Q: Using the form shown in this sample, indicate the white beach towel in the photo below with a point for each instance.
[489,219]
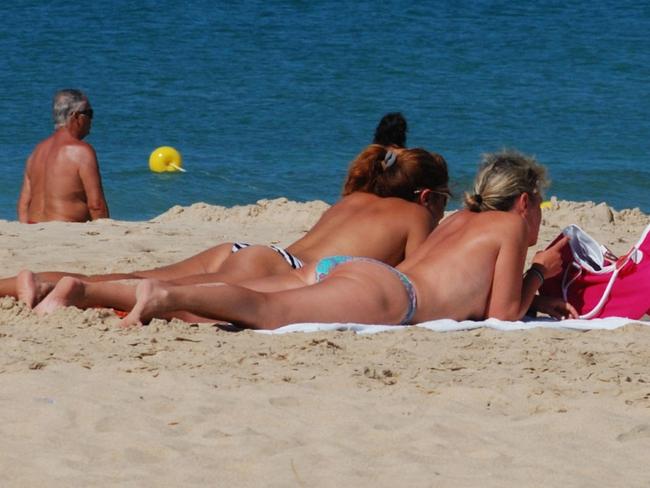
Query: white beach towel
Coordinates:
[446,325]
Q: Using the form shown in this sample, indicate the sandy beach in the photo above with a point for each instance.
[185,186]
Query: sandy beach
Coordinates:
[83,403]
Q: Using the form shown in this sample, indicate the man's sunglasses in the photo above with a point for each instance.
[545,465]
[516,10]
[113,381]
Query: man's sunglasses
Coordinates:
[88,112]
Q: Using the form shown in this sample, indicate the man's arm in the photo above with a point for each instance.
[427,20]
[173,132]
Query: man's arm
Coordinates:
[92,183]
[25,197]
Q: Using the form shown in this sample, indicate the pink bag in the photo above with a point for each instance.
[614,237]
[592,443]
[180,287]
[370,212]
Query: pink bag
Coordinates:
[597,283]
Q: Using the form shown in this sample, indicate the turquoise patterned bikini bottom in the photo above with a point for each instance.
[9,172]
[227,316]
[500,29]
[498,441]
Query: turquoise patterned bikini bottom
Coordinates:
[326,265]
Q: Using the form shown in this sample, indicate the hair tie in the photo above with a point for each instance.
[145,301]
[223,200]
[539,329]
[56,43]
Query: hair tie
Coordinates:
[389,160]
[478,199]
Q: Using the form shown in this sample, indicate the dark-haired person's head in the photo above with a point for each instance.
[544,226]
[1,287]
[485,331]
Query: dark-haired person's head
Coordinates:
[391,130]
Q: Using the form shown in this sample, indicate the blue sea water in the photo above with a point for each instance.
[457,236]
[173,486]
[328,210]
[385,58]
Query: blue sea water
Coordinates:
[274,98]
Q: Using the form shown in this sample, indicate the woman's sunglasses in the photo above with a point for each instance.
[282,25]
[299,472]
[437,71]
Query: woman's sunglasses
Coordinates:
[445,194]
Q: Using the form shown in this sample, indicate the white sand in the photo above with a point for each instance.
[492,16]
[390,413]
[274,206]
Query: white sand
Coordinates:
[85,404]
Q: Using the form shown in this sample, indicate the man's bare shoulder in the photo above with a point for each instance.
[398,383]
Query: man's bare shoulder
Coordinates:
[79,144]
[45,145]
[78,151]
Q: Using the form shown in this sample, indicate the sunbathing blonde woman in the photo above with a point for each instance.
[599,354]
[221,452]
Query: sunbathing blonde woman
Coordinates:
[392,198]
[470,267]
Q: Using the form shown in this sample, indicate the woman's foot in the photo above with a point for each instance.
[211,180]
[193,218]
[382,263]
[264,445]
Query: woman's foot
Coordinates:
[67,292]
[30,289]
[151,301]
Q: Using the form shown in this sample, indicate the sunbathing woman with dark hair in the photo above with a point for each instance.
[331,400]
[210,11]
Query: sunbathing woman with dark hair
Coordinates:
[391,201]
[470,267]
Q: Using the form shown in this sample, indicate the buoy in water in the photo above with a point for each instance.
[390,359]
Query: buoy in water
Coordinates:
[164,159]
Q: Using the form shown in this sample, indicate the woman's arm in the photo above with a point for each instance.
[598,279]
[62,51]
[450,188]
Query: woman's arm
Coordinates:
[512,294]
[419,230]
[555,307]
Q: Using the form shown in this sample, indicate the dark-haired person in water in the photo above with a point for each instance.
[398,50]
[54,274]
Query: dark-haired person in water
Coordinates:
[391,130]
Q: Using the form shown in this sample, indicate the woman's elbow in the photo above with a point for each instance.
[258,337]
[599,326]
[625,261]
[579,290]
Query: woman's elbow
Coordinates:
[508,314]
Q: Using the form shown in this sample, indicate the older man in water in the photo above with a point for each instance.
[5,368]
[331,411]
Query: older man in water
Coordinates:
[62,180]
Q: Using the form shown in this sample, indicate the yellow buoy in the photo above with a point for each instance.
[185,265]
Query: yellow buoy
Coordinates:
[165,158]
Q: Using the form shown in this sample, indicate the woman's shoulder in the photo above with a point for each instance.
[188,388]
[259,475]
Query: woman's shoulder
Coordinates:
[357,198]
[507,225]
[370,200]
[388,209]
[405,208]
[509,219]
[499,221]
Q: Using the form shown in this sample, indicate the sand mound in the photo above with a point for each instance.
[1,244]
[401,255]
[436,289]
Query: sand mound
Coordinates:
[278,210]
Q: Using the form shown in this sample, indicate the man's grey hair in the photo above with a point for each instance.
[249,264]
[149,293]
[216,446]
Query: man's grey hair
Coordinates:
[67,102]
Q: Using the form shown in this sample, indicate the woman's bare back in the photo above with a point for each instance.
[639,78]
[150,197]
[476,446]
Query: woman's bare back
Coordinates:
[363,224]
[461,251]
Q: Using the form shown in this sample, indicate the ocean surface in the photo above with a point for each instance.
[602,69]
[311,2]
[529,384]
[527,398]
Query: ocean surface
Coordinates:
[268,98]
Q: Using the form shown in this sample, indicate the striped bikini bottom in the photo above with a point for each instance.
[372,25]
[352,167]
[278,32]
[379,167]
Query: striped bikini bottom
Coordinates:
[292,260]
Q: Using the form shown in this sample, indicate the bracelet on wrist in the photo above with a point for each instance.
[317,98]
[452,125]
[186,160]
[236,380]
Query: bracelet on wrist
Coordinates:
[537,273]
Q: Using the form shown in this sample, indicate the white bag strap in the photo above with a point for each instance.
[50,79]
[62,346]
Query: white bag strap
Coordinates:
[565,285]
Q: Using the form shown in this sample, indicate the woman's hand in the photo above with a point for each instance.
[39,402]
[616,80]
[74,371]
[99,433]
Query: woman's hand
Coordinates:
[549,261]
[555,307]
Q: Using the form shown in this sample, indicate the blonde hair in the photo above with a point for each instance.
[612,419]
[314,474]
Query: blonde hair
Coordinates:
[396,172]
[502,177]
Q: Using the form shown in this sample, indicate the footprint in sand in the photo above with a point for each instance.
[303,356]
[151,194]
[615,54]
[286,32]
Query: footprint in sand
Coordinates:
[638,432]
[284,402]
[215,434]
[109,424]
[137,455]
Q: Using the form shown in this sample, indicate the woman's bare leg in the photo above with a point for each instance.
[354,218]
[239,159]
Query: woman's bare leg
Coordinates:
[250,263]
[208,261]
[121,294]
[112,294]
[295,278]
[9,286]
[215,265]
[30,289]
[354,292]
[71,291]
